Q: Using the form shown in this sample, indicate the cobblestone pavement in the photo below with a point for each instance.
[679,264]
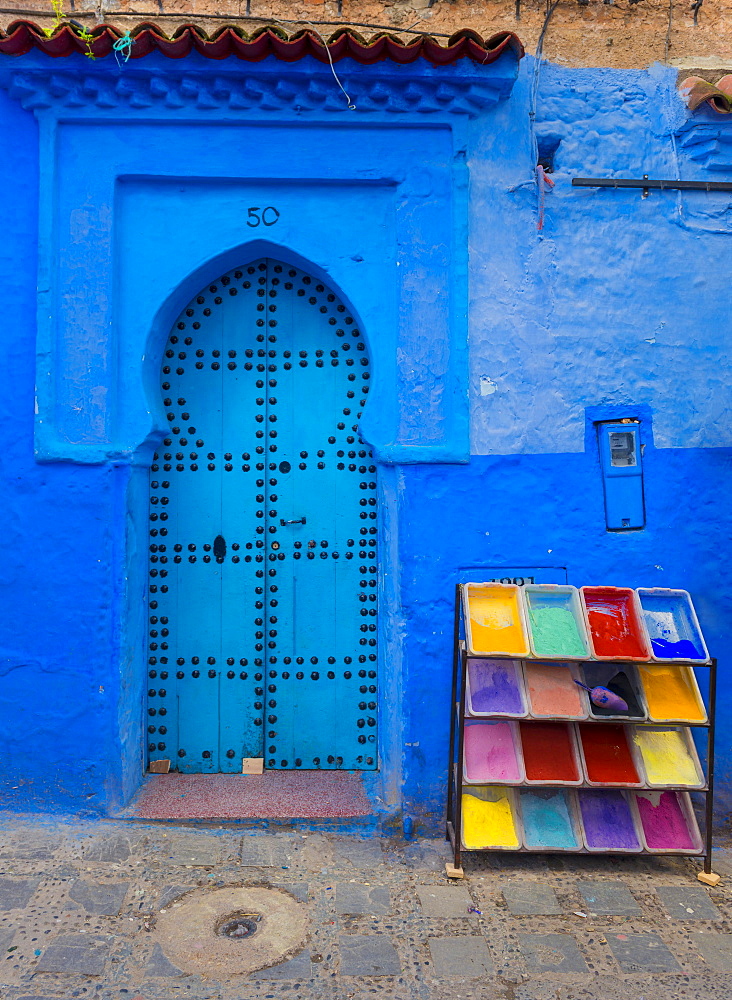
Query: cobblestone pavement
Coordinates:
[79,903]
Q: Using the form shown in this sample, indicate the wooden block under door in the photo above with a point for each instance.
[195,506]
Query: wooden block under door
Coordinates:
[159,767]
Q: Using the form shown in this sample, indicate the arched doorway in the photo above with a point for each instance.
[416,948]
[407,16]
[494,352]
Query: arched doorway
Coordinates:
[263,532]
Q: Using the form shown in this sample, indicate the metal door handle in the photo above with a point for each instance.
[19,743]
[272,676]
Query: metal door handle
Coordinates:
[219,548]
[298,520]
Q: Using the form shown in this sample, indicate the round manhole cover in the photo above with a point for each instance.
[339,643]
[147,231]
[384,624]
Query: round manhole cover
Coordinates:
[232,931]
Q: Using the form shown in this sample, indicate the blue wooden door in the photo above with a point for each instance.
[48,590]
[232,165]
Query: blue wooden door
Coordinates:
[263,531]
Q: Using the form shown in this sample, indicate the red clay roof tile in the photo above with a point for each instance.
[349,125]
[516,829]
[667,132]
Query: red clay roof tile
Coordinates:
[24,36]
[696,91]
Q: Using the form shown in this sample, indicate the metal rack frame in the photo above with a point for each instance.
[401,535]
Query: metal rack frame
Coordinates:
[457,736]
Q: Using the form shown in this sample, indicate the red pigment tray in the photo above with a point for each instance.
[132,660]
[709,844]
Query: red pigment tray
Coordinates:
[550,753]
[615,623]
[608,756]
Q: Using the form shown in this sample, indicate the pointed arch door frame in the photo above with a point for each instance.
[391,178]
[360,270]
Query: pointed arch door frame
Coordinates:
[394,247]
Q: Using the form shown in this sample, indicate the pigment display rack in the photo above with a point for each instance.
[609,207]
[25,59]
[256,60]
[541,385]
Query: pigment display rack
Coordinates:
[535,764]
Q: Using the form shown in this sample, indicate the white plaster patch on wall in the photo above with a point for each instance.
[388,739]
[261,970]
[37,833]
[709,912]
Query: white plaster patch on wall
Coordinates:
[487,386]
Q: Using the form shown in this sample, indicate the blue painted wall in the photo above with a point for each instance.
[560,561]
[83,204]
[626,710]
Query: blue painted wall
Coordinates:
[59,683]
[615,309]
[618,308]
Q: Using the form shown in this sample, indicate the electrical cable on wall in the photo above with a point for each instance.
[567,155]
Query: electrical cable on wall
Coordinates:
[541,176]
[542,179]
[538,57]
[667,44]
[263,19]
[349,103]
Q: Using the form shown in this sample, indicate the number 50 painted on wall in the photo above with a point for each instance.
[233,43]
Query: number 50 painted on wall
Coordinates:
[258,216]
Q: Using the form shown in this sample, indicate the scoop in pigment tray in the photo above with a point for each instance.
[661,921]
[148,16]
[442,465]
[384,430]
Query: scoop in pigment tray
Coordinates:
[605,698]
[622,680]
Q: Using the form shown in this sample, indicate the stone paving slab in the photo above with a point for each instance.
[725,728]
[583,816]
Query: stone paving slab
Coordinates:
[715,949]
[315,852]
[722,861]
[427,855]
[161,966]
[77,953]
[196,850]
[188,851]
[465,957]
[687,902]
[170,893]
[110,849]
[368,955]
[42,847]
[264,851]
[299,967]
[16,894]
[531,899]
[609,898]
[445,901]
[300,890]
[360,854]
[551,953]
[105,899]
[362,899]
[642,953]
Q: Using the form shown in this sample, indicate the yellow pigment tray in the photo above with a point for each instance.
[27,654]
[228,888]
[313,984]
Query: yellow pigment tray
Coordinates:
[672,693]
[669,757]
[495,620]
[490,819]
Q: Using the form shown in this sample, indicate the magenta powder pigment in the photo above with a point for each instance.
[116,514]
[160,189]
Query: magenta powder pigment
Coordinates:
[663,821]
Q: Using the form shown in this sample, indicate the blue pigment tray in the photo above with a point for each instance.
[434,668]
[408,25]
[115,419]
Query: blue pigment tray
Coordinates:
[672,625]
[550,819]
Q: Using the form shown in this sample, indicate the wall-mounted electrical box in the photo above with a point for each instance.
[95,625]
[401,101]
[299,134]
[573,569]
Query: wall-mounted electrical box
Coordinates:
[622,475]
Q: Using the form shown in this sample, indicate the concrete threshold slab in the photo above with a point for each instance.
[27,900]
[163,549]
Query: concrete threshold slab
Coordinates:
[275,795]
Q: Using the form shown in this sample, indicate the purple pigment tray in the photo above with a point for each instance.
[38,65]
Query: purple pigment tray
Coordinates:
[495,687]
[609,821]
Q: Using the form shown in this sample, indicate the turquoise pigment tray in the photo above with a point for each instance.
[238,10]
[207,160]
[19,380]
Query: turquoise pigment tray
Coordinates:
[556,622]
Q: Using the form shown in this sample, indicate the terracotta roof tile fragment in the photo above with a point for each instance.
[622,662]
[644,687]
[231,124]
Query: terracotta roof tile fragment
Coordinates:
[696,91]
[22,37]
